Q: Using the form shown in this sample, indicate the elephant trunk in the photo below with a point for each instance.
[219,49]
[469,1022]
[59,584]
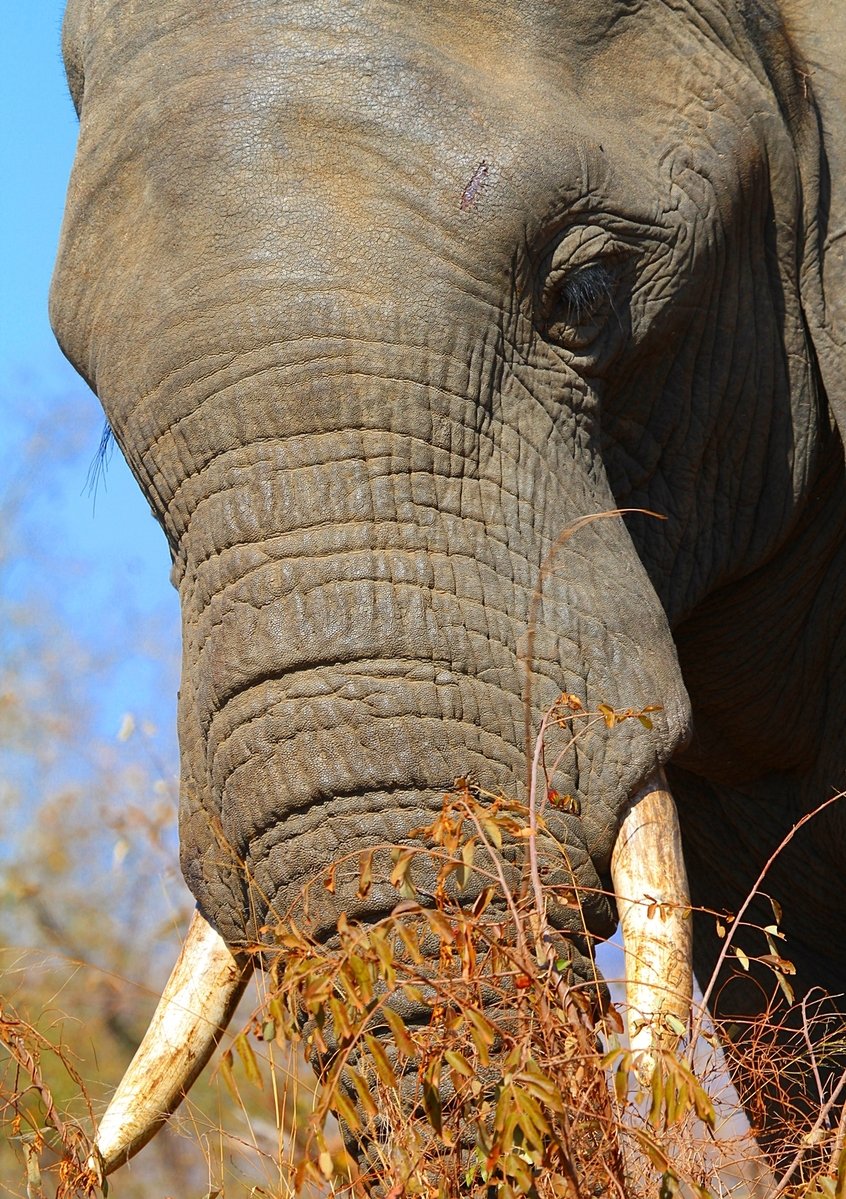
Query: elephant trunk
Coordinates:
[208,980]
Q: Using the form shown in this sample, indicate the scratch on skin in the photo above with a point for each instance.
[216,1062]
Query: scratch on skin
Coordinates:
[474,187]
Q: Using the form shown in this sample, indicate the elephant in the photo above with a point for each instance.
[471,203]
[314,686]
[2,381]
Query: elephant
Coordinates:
[382,301]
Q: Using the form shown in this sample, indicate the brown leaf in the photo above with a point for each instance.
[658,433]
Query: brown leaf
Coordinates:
[778,963]
[652,1150]
[432,1106]
[440,925]
[365,1096]
[492,830]
[482,1031]
[365,874]
[401,875]
[341,1104]
[458,1062]
[381,1061]
[225,1068]
[402,1040]
[608,715]
[248,1059]
[464,871]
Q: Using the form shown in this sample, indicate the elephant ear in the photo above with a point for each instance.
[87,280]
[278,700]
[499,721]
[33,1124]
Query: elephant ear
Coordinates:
[816,110]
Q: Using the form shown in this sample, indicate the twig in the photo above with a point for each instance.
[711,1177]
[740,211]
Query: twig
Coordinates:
[546,569]
[837,1147]
[31,1149]
[534,869]
[810,1045]
[509,898]
[785,841]
[17,1049]
[810,1136]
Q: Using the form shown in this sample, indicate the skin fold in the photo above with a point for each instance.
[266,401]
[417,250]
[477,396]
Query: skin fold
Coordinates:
[380,299]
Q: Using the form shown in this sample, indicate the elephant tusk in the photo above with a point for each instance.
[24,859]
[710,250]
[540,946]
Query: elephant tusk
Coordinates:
[193,1012]
[653,902]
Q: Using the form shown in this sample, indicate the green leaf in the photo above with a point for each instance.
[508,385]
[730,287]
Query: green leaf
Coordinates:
[674,1024]
[621,1082]
[669,1186]
[657,1096]
[704,1106]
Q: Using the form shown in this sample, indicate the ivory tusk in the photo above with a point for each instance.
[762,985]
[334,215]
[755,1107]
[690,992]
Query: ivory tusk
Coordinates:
[193,1012]
[653,902]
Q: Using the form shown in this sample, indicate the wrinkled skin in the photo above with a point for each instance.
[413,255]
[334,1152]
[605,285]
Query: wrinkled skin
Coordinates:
[379,298]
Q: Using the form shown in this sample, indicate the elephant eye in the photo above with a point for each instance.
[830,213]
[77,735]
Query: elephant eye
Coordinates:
[577,303]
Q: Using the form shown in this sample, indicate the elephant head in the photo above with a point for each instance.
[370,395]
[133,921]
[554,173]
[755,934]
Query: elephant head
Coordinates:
[380,300]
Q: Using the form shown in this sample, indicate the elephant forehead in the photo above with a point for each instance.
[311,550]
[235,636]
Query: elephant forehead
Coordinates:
[344,107]
[374,158]
[321,117]
[352,101]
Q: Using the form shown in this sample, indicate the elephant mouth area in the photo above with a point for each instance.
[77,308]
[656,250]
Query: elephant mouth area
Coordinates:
[204,987]
[325,760]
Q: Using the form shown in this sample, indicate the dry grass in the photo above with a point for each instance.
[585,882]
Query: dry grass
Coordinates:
[460,1053]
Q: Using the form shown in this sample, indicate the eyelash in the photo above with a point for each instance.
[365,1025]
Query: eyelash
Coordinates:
[583,291]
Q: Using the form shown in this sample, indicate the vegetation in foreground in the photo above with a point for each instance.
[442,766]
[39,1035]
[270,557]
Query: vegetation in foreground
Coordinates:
[456,1049]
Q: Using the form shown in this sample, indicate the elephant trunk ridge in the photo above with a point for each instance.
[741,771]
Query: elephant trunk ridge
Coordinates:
[653,901]
[196,1005]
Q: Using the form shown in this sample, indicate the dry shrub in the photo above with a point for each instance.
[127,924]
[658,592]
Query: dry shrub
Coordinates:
[462,1057]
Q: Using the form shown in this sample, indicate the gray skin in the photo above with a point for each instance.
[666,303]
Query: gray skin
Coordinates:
[379,298]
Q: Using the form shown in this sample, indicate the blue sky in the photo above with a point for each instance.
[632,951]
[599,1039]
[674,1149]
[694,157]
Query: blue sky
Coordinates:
[114,562]
[39,135]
